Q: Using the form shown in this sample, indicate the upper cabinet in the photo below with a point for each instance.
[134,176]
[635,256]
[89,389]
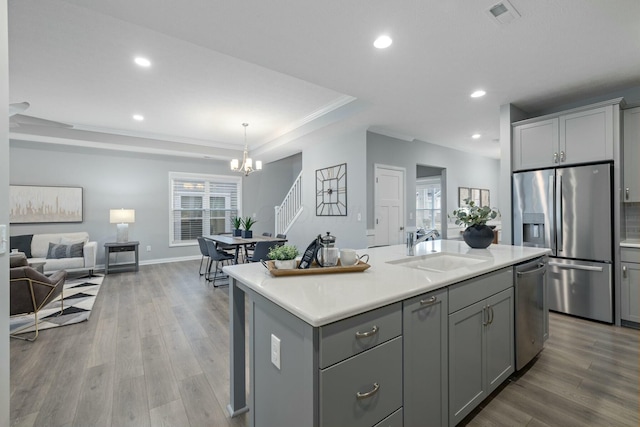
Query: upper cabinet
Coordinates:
[535,144]
[578,136]
[631,150]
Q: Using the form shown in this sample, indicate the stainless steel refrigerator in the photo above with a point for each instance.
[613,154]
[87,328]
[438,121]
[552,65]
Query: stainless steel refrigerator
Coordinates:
[569,210]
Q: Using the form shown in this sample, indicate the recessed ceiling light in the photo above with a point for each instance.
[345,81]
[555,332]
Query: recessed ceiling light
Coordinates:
[478,93]
[143,62]
[383,42]
[138,117]
[476,136]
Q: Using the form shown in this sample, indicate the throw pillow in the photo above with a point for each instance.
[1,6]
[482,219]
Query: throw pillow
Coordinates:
[22,243]
[57,251]
[67,241]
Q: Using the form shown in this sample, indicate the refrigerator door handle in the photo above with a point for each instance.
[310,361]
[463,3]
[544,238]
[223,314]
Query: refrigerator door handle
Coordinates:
[576,267]
[551,229]
[559,219]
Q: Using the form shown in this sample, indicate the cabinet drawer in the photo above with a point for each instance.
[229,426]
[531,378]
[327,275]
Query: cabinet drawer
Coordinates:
[351,336]
[630,255]
[393,420]
[122,249]
[377,371]
[470,291]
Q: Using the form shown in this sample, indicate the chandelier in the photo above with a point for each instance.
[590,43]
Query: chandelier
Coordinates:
[247,164]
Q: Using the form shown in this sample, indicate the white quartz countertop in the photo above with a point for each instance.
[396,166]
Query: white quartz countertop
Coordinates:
[325,298]
[630,243]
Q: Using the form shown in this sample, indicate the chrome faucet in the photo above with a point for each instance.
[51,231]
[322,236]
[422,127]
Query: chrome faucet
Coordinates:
[411,242]
[429,235]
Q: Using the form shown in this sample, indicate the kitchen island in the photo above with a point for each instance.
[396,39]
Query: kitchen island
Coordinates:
[428,334]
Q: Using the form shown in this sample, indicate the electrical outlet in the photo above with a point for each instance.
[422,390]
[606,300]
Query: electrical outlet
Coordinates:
[359,216]
[148,248]
[410,215]
[275,351]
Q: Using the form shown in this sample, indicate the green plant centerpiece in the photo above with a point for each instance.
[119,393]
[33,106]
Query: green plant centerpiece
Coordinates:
[284,256]
[247,223]
[477,234]
[236,222]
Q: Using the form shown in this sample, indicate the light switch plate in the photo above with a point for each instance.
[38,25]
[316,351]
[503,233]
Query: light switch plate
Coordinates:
[3,238]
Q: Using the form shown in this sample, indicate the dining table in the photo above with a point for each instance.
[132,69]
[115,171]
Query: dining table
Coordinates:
[236,242]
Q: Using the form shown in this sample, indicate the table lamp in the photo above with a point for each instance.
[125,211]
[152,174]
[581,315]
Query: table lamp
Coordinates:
[122,217]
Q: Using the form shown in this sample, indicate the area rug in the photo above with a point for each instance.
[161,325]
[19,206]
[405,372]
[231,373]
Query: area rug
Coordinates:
[79,296]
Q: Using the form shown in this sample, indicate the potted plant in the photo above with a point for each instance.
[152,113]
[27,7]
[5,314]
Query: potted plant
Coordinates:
[236,221]
[477,234]
[284,256]
[247,223]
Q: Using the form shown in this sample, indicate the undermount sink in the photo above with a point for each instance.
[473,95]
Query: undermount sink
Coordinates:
[439,262]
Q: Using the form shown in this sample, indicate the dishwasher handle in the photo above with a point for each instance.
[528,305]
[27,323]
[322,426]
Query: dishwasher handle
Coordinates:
[541,267]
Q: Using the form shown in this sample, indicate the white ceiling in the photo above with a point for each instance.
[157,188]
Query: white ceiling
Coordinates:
[291,67]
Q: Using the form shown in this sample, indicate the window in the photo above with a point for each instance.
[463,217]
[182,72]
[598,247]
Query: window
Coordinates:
[428,204]
[201,205]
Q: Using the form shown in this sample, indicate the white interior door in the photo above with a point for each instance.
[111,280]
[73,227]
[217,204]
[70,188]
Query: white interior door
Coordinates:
[389,205]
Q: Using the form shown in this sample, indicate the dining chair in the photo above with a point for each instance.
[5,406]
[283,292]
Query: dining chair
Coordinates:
[248,249]
[204,250]
[217,256]
[261,252]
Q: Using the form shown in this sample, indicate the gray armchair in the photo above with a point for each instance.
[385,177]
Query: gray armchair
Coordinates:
[31,290]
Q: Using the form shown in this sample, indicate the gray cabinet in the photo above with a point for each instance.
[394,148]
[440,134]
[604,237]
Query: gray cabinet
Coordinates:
[364,389]
[534,144]
[630,285]
[631,155]
[360,375]
[481,340]
[586,136]
[425,360]
[577,136]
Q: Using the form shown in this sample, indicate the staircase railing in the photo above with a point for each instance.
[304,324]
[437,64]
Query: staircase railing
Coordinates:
[291,207]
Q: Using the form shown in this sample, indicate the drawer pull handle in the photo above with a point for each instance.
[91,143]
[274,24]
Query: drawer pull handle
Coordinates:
[428,301]
[373,331]
[369,393]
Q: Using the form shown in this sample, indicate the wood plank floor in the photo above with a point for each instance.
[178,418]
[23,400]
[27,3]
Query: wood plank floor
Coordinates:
[155,352]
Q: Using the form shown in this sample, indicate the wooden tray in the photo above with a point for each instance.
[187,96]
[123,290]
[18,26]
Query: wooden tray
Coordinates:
[314,269]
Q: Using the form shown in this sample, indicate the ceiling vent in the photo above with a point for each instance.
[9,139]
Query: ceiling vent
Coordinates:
[503,13]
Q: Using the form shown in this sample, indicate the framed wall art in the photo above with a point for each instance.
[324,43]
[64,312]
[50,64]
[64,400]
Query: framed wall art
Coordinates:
[331,191]
[463,193]
[485,199]
[39,204]
[475,196]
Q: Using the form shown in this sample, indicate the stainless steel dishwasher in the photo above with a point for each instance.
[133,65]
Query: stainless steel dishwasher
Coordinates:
[531,310]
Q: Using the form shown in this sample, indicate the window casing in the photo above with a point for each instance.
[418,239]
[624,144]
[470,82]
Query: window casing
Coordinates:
[428,204]
[201,205]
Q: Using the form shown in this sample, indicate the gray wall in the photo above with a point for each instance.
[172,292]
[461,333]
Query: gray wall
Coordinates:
[333,148]
[110,179]
[4,217]
[266,189]
[462,170]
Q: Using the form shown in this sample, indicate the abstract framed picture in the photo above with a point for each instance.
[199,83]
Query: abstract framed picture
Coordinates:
[30,204]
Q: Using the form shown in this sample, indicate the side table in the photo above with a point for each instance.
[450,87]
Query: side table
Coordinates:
[116,247]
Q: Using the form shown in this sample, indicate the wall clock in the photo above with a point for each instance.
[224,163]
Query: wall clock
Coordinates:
[331,191]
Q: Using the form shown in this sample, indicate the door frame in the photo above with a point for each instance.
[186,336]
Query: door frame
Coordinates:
[376,168]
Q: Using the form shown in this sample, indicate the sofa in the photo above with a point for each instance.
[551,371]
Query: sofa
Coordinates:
[59,251]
